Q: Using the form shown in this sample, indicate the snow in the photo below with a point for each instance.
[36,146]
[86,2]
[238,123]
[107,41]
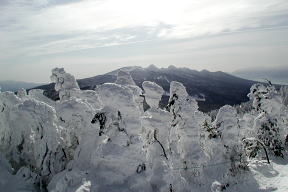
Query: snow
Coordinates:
[227,121]
[163,77]
[39,96]
[63,82]
[155,135]
[270,177]
[124,78]
[152,67]
[103,140]
[264,177]
[199,97]
[172,67]
[153,93]
[22,93]
[14,182]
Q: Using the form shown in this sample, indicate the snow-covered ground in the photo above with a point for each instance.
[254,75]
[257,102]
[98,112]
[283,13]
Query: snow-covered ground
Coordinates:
[264,177]
[104,140]
[271,177]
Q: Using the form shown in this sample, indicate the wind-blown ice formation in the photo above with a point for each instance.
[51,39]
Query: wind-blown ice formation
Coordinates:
[104,140]
[64,82]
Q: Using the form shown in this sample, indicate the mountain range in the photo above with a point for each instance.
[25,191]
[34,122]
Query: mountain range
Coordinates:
[16,85]
[211,89]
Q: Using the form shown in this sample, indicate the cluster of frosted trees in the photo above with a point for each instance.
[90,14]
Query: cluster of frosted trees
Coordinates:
[103,140]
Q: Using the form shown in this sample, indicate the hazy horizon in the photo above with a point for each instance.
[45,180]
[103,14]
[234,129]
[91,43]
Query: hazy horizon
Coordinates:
[92,37]
[277,74]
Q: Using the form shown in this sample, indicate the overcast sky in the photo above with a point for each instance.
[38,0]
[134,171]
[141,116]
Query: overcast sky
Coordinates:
[91,37]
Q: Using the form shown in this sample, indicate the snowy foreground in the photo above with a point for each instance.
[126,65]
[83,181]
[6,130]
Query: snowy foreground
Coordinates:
[116,139]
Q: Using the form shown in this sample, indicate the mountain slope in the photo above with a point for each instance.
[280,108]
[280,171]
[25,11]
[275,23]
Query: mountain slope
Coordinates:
[16,85]
[211,89]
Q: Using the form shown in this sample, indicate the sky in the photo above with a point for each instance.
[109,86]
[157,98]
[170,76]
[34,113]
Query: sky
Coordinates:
[92,37]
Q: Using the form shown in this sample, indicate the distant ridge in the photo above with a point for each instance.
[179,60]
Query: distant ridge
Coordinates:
[16,85]
[211,89]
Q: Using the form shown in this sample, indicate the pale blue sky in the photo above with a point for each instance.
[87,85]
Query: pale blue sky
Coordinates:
[91,37]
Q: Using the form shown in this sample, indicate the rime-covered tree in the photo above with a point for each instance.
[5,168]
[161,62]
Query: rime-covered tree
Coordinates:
[185,134]
[102,140]
[224,147]
[155,123]
[284,94]
[267,105]
[110,152]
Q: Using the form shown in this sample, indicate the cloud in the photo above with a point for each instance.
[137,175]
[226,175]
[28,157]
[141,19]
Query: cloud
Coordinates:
[41,27]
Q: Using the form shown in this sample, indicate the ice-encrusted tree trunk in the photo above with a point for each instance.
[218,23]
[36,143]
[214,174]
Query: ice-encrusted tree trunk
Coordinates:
[74,116]
[185,135]
[8,101]
[74,110]
[229,127]
[67,86]
[110,153]
[64,82]
[22,93]
[284,94]
[32,138]
[267,105]
[155,134]
[227,159]
[102,140]
[38,94]
[124,78]
[284,114]
[40,136]
[37,138]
